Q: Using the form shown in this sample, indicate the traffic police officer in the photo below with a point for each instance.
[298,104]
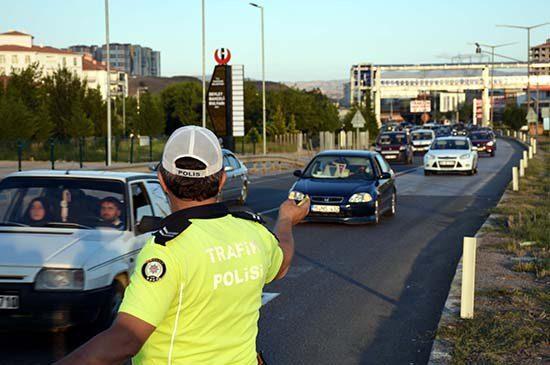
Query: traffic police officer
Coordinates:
[195,295]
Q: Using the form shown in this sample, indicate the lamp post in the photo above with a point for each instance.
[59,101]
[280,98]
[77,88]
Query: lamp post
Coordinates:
[263,78]
[492,91]
[528,29]
[203,66]
[108,152]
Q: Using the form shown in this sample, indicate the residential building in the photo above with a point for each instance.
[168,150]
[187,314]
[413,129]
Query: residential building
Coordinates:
[541,53]
[17,52]
[133,59]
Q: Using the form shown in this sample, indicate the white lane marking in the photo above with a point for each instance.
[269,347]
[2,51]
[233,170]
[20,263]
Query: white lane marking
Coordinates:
[268,297]
[407,171]
[269,210]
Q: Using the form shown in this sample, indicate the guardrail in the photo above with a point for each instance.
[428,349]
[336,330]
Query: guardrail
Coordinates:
[271,163]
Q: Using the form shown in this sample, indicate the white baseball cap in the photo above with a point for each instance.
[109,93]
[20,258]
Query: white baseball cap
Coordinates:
[194,142]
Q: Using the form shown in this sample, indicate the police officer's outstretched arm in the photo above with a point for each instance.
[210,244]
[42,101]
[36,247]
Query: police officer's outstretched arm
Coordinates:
[290,214]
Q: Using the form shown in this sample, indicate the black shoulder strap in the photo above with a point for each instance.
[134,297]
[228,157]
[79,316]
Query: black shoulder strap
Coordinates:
[248,216]
[170,229]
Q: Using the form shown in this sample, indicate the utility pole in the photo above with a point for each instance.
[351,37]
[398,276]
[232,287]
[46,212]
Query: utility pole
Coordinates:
[491,90]
[203,66]
[264,135]
[528,29]
[108,162]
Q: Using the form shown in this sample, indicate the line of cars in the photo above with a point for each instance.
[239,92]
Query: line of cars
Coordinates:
[359,186]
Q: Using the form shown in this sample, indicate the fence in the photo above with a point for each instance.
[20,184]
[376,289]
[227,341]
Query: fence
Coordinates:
[344,140]
[90,149]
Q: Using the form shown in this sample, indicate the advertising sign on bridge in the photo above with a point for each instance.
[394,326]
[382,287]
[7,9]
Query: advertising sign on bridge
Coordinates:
[421,106]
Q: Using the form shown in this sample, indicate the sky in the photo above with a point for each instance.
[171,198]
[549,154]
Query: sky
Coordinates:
[305,39]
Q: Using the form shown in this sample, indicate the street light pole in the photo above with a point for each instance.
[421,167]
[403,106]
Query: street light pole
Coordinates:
[203,66]
[108,162]
[492,91]
[263,78]
[528,29]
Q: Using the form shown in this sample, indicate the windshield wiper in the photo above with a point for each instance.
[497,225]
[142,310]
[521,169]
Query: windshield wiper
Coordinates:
[66,225]
[13,224]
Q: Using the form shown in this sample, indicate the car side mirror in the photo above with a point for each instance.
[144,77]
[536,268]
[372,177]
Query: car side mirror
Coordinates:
[297,173]
[148,224]
[385,175]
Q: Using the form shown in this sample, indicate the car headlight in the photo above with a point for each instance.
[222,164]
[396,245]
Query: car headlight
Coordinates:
[465,156]
[296,195]
[490,143]
[430,157]
[360,198]
[60,279]
[402,148]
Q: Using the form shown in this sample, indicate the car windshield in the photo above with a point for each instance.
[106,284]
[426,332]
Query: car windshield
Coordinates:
[450,144]
[393,138]
[62,203]
[479,136]
[417,136]
[340,167]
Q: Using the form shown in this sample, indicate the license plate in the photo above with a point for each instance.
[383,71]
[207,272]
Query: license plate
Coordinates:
[447,163]
[389,157]
[9,301]
[325,208]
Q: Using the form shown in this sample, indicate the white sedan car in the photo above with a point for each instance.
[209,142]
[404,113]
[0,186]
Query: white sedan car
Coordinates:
[422,139]
[451,154]
[68,244]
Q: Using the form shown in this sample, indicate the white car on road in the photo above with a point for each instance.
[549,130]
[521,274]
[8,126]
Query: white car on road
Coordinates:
[422,139]
[451,154]
[68,244]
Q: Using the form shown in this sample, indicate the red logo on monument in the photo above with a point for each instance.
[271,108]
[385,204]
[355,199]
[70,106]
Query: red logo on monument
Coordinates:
[222,56]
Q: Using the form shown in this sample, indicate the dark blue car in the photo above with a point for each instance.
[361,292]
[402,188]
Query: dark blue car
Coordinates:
[347,186]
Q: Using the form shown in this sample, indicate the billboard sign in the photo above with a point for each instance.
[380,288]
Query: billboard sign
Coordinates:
[421,106]
[217,99]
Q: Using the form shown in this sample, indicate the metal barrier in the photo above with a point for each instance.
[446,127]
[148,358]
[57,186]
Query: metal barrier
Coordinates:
[272,163]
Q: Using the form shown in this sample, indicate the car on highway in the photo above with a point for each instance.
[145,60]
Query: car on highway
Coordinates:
[347,186]
[451,154]
[395,147]
[236,185]
[422,139]
[68,243]
[484,141]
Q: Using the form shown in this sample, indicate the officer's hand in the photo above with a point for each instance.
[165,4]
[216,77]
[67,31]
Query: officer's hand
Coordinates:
[294,212]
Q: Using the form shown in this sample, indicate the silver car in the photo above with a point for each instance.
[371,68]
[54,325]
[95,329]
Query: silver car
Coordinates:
[236,186]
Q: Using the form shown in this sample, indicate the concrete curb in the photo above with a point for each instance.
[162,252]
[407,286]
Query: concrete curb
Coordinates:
[441,349]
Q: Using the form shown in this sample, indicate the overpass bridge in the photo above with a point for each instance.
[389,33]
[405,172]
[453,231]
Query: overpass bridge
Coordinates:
[408,81]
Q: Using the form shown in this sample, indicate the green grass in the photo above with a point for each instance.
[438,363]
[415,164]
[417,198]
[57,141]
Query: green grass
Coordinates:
[512,333]
[513,326]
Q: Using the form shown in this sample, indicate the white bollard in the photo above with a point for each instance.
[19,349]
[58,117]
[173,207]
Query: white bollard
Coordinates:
[535,147]
[521,168]
[525,164]
[530,152]
[468,277]
[515,179]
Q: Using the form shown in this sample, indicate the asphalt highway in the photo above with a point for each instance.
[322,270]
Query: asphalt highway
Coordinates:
[356,294]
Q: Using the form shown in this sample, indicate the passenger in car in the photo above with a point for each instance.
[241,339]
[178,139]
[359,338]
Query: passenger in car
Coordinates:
[110,212]
[37,213]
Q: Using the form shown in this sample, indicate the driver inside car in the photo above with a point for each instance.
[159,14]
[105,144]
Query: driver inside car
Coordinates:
[110,211]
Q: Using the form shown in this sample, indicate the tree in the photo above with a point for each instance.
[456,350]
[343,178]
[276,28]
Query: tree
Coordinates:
[279,123]
[292,124]
[79,124]
[514,116]
[150,120]
[16,120]
[182,104]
